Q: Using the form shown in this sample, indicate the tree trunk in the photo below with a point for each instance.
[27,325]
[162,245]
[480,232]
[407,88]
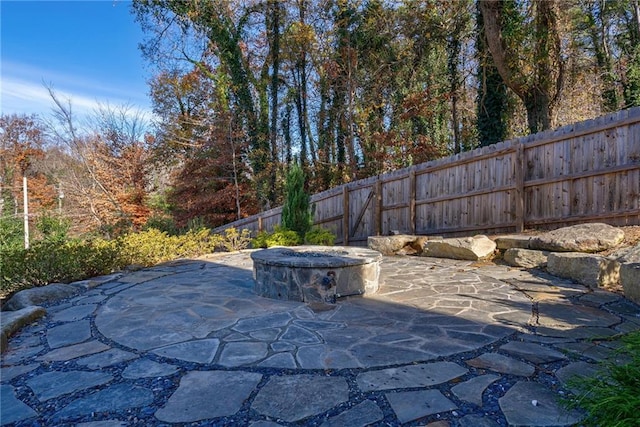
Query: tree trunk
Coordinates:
[540,89]
[537,104]
[274,5]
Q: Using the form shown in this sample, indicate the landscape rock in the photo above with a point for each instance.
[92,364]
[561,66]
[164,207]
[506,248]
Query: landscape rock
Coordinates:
[630,279]
[629,255]
[401,244]
[630,272]
[470,248]
[526,258]
[512,241]
[588,269]
[13,321]
[40,295]
[594,237]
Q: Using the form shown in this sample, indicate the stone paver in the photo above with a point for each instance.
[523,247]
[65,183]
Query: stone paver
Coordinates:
[196,399]
[106,358]
[572,372]
[535,353]
[471,390]
[361,415]
[189,342]
[294,398]
[412,405]
[148,368]
[73,351]
[69,333]
[114,398]
[13,409]
[74,313]
[423,375]
[503,364]
[54,384]
[199,351]
[10,372]
[528,403]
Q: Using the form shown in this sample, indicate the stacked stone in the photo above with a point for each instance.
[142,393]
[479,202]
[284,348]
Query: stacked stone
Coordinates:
[569,252]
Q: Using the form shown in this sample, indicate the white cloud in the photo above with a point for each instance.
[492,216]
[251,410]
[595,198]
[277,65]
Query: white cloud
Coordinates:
[23,90]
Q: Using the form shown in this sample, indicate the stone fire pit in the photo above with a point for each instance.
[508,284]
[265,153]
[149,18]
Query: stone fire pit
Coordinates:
[315,273]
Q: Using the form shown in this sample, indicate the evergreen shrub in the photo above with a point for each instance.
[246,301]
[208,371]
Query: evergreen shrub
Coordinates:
[296,211]
[320,236]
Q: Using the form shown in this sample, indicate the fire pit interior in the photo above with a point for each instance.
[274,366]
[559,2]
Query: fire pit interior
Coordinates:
[315,273]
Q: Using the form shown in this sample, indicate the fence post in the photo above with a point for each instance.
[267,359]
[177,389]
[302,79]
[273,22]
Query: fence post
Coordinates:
[412,201]
[377,208]
[519,193]
[260,223]
[345,215]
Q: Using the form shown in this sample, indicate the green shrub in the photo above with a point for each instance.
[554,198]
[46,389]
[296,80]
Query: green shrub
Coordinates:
[279,237]
[50,261]
[153,246]
[161,222]
[53,228]
[612,398]
[296,211]
[53,261]
[11,233]
[320,236]
[234,240]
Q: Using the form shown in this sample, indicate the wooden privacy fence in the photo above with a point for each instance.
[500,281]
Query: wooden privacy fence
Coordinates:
[589,171]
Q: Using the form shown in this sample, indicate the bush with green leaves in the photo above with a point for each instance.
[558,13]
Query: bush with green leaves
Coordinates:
[53,228]
[161,222]
[280,236]
[320,236]
[612,398]
[50,261]
[153,246]
[296,211]
[56,261]
[11,233]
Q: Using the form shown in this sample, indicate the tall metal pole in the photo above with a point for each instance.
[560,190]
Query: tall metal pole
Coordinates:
[26,211]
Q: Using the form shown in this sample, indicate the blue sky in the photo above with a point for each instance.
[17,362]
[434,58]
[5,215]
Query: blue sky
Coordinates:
[86,50]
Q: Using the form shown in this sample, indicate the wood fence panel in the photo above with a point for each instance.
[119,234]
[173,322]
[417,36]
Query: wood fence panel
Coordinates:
[271,219]
[588,171]
[361,213]
[396,197]
[329,210]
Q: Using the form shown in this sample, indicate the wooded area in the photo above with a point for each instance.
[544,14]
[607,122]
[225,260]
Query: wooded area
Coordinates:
[589,171]
[348,89]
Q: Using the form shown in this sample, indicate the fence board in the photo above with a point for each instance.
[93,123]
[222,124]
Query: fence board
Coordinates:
[588,171]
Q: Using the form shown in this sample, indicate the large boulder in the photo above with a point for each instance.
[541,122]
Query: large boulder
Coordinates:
[512,241]
[594,237]
[630,273]
[400,244]
[13,321]
[526,258]
[589,269]
[468,248]
[40,295]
